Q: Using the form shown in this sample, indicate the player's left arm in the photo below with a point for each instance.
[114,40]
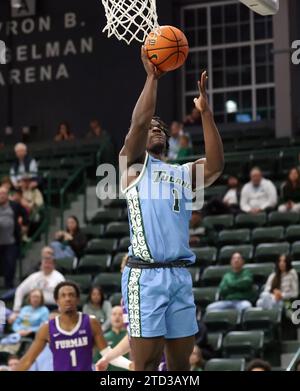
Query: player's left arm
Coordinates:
[214,154]
[99,339]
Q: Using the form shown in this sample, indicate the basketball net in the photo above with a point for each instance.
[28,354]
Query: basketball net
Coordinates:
[130,20]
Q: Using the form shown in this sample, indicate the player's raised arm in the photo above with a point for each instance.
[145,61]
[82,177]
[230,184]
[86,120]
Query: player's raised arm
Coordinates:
[214,159]
[135,143]
[35,349]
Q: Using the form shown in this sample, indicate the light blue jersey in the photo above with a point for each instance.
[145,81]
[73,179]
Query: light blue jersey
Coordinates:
[159,211]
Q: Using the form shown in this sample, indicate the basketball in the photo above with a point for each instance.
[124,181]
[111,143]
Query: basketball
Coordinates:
[167,50]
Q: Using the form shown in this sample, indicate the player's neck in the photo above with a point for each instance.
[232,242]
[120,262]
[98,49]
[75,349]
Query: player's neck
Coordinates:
[158,156]
[69,318]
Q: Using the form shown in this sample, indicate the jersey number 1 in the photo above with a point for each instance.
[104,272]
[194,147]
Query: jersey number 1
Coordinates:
[73,358]
[176,201]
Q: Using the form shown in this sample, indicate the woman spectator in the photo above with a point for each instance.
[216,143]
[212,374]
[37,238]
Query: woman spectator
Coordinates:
[71,242]
[32,315]
[98,307]
[185,149]
[281,286]
[64,133]
[291,192]
[196,359]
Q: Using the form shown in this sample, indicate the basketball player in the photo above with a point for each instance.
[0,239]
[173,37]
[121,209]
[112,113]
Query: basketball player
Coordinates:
[156,286]
[71,335]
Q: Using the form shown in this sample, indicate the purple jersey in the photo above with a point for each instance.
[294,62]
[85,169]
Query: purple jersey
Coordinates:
[72,350]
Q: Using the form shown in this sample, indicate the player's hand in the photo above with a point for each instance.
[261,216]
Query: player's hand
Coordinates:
[150,68]
[201,103]
[102,364]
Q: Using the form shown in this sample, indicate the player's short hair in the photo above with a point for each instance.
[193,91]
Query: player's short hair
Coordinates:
[63,284]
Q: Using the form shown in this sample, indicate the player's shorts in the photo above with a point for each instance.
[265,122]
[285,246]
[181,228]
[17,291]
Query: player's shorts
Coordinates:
[159,302]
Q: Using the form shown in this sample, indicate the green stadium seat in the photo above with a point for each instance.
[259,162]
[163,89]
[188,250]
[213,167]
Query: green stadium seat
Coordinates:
[218,222]
[267,235]
[124,244]
[266,320]
[106,216]
[195,273]
[65,265]
[295,250]
[117,230]
[83,299]
[93,231]
[246,344]
[222,321]
[115,299]
[205,295]
[110,282]
[296,266]
[225,364]
[244,220]
[94,263]
[269,252]
[214,191]
[292,233]
[205,255]
[213,275]
[260,272]
[234,236]
[215,341]
[116,262]
[83,280]
[246,250]
[283,218]
[101,246]
[118,203]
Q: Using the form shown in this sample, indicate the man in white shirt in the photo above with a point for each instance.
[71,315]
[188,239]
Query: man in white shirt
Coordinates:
[259,194]
[46,280]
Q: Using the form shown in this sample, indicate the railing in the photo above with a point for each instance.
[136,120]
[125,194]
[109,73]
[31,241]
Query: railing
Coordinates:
[294,360]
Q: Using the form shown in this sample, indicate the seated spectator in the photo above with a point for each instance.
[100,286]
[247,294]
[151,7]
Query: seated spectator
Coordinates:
[258,365]
[64,132]
[259,194]
[176,130]
[115,334]
[32,315]
[185,149]
[236,288]
[7,183]
[232,196]
[24,164]
[96,130]
[198,233]
[10,235]
[13,362]
[71,242]
[196,359]
[194,118]
[98,307]
[201,340]
[291,192]
[4,317]
[281,287]
[32,199]
[46,280]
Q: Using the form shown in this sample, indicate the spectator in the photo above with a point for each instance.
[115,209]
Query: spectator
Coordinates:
[71,242]
[199,235]
[64,132]
[10,235]
[185,149]
[259,194]
[116,334]
[236,288]
[4,368]
[176,130]
[291,192]
[196,359]
[6,182]
[32,315]
[98,307]
[258,365]
[281,286]
[32,199]
[13,362]
[201,340]
[46,280]
[24,164]
[193,119]
[232,196]
[96,130]
[4,318]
